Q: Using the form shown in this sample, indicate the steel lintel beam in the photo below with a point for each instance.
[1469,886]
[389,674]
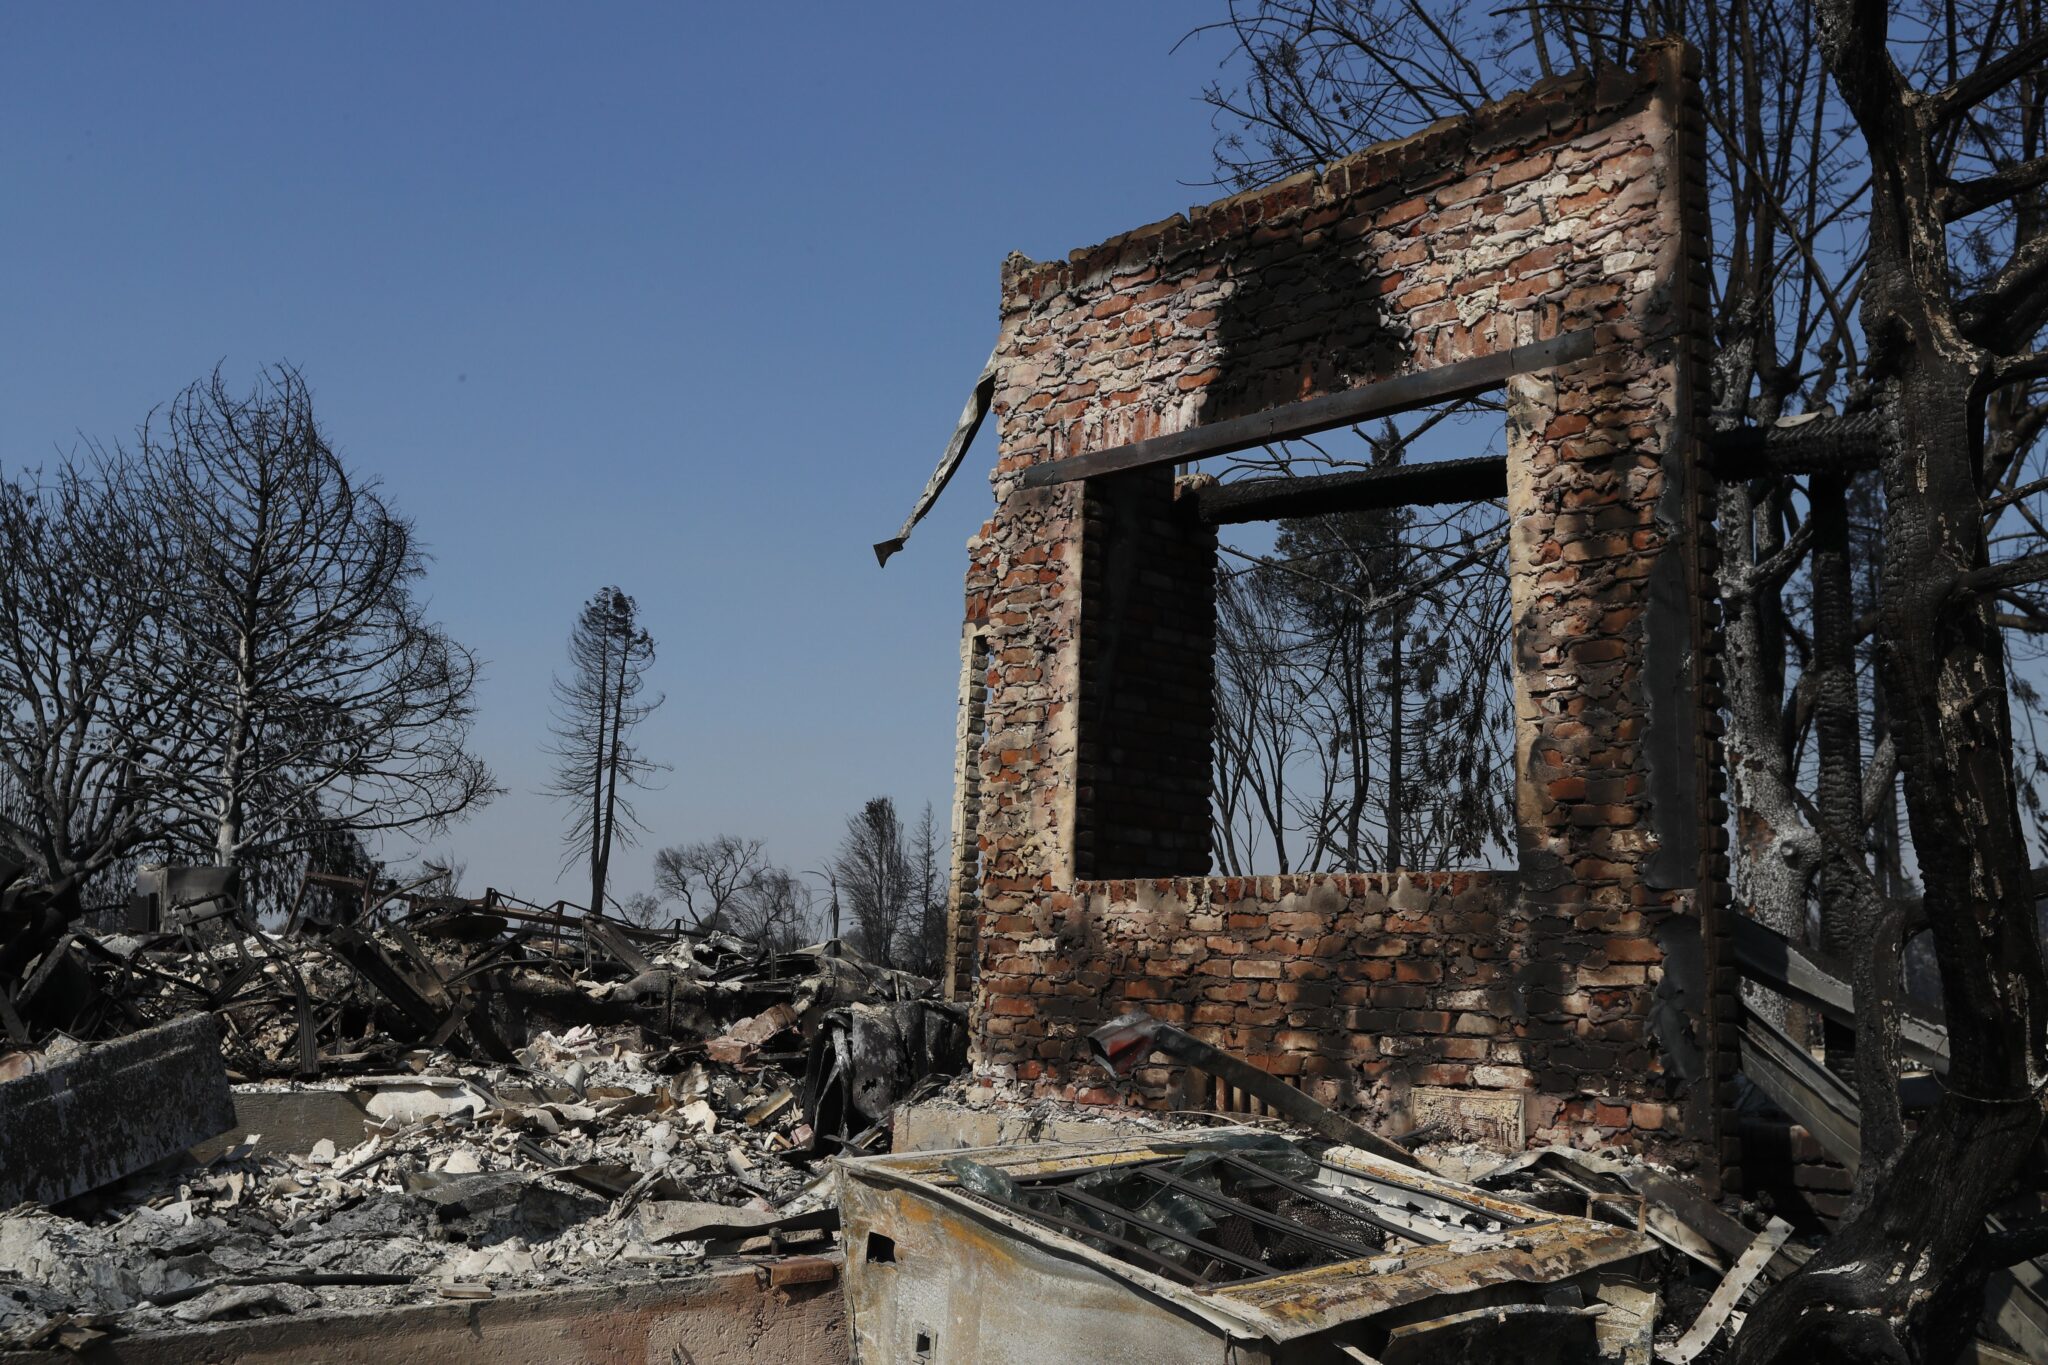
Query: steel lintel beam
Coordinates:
[1438,384]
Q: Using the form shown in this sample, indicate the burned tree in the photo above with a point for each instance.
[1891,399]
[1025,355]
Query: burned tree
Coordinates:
[873,871]
[927,931]
[711,879]
[331,704]
[99,717]
[597,708]
[728,883]
[1948,332]
[775,914]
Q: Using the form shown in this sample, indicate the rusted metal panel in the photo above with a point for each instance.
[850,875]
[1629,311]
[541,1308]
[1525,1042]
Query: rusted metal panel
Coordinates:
[112,1109]
[928,1281]
[973,1279]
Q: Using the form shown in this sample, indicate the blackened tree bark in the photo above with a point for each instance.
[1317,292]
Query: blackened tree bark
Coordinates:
[1838,727]
[873,867]
[1902,1279]
[99,720]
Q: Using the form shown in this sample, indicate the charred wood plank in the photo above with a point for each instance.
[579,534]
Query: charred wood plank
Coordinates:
[1123,1043]
[435,1012]
[308,1034]
[1768,958]
[1822,1102]
[61,990]
[428,976]
[1827,1107]
[1365,490]
[389,980]
[1440,383]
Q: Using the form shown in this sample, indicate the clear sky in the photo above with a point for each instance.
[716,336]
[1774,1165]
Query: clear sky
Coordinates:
[680,297]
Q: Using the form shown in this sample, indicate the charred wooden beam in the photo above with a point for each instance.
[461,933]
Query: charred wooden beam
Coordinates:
[1439,384]
[434,1012]
[1770,959]
[1823,445]
[1827,1107]
[386,976]
[1123,1044]
[1365,490]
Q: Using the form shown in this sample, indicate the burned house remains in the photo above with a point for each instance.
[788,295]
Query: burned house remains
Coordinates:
[1386,1114]
[1551,246]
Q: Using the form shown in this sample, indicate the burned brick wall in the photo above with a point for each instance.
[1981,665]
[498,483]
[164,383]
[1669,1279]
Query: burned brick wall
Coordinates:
[963,878]
[1577,995]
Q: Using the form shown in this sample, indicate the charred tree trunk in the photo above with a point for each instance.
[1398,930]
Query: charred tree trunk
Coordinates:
[1903,1279]
[1397,795]
[598,749]
[601,866]
[1837,725]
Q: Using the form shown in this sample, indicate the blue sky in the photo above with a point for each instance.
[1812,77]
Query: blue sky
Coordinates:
[683,298]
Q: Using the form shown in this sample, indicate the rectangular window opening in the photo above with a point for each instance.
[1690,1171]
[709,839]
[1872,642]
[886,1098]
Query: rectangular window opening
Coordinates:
[1364,690]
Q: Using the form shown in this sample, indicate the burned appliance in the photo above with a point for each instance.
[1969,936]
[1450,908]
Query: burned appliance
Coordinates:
[1230,1245]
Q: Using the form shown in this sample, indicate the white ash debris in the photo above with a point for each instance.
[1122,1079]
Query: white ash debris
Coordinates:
[587,1163]
[652,1118]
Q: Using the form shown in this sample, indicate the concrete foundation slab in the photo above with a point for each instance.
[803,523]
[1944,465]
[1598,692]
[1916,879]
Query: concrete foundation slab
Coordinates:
[289,1122]
[729,1317]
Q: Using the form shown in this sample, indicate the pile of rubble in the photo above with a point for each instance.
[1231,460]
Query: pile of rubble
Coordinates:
[583,1161]
[352,986]
[528,1098]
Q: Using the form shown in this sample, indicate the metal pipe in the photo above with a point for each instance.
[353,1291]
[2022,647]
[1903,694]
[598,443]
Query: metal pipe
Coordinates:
[1131,1218]
[1122,1043]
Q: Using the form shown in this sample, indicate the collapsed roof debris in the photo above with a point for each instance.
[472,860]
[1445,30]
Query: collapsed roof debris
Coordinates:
[527,1098]
[532,1099]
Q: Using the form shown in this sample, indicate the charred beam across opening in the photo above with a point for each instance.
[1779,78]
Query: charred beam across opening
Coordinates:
[1365,490]
[1820,445]
[1824,446]
[1439,384]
